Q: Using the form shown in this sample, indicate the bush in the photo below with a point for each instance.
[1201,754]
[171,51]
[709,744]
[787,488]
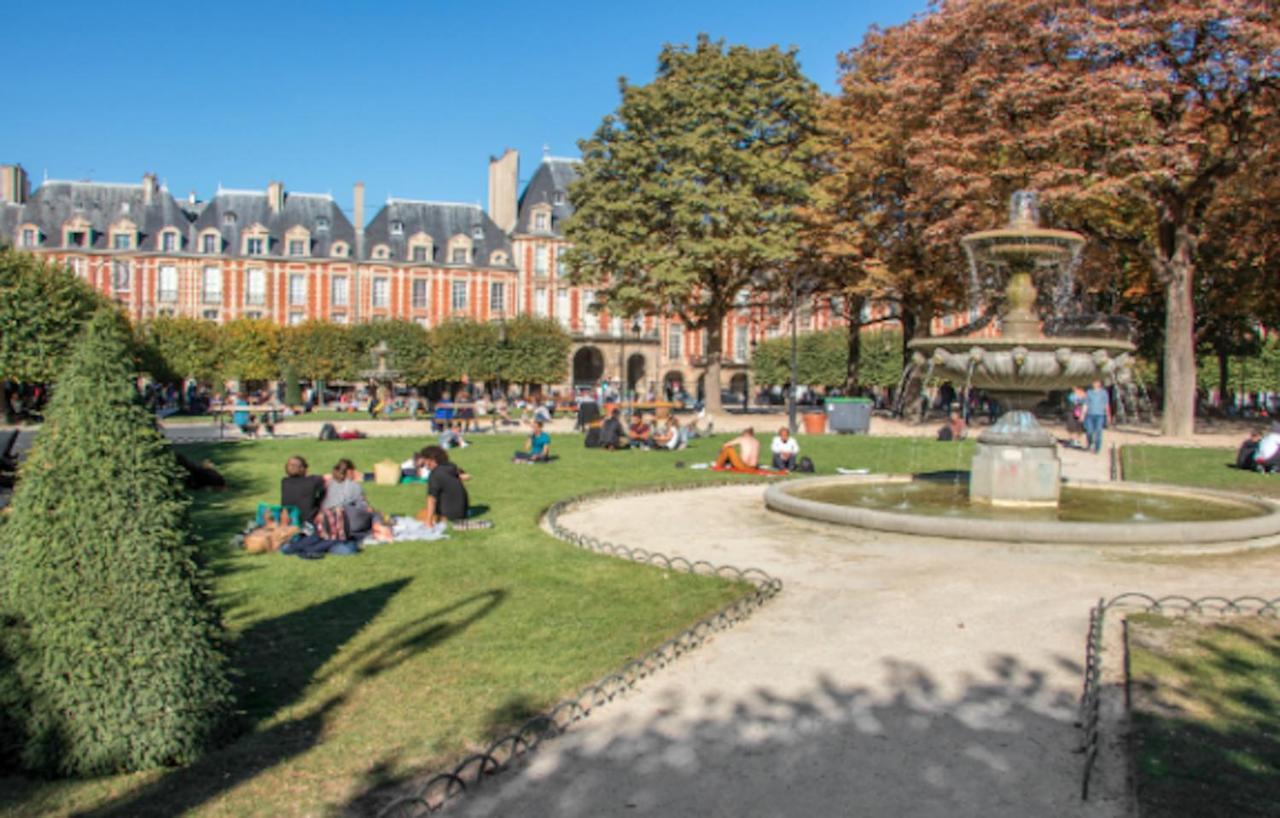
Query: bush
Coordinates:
[110,633]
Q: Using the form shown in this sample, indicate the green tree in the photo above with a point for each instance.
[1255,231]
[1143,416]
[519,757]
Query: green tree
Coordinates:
[321,351]
[409,348]
[182,348]
[249,350]
[689,191]
[112,635]
[43,308]
[465,349]
[536,351]
[821,359]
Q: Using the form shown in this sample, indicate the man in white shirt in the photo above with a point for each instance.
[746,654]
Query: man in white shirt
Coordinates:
[785,450]
[1267,457]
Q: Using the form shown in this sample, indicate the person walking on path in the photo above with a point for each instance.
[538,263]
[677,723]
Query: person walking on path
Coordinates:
[1097,415]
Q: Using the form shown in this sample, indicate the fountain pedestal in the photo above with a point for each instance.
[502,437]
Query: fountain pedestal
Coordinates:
[1016,464]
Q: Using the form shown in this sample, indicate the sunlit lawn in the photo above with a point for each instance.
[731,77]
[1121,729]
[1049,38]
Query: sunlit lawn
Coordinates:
[1206,468]
[359,671]
[1206,716]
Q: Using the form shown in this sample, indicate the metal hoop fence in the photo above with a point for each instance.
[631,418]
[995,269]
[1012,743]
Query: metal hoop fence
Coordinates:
[1135,602]
[438,790]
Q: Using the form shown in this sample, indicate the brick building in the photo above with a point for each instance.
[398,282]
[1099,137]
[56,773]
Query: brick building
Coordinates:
[288,257]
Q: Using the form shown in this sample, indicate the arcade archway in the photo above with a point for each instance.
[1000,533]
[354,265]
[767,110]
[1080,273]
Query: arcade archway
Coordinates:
[588,366]
[635,371]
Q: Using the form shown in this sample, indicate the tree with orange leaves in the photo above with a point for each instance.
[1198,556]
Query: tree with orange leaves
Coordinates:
[1147,110]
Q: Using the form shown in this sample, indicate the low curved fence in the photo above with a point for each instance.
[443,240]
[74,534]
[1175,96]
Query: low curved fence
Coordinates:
[1134,602]
[438,790]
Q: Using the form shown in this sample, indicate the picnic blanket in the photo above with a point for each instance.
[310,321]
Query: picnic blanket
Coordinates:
[756,471]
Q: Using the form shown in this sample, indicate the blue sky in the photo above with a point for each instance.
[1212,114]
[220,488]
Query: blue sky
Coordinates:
[410,97]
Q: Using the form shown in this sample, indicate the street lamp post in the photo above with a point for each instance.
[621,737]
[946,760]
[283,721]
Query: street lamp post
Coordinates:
[502,349]
[795,361]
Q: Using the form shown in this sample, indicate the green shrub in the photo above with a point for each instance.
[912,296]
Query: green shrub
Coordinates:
[111,636]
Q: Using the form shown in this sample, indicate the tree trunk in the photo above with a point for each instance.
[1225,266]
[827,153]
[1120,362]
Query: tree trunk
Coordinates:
[1179,343]
[715,338]
[853,361]
[1223,378]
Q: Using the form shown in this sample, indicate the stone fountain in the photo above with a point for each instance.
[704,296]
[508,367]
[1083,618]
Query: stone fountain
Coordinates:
[381,375]
[1015,491]
[1016,462]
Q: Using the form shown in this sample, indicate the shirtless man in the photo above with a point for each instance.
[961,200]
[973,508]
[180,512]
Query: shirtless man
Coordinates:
[747,456]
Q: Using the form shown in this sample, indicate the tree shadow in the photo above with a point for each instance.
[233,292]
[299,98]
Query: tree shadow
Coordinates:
[1212,751]
[271,685]
[1003,744]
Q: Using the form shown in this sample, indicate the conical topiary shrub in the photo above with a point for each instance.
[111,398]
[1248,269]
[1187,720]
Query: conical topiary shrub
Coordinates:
[112,637]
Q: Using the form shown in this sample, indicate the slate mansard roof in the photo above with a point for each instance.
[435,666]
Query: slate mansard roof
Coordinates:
[440,221]
[231,212]
[101,205]
[549,186]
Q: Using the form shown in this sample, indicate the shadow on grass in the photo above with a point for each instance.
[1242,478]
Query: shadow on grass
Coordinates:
[285,655]
[1206,730]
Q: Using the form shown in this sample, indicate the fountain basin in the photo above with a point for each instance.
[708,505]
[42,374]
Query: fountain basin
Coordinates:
[1090,513]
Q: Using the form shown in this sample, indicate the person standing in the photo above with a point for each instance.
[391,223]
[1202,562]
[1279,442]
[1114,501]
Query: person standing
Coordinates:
[1097,415]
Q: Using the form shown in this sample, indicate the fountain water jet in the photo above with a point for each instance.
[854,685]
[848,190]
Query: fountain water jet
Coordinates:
[1017,461]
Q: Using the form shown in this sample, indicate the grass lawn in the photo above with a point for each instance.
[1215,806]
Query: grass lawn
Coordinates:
[359,671]
[1206,716]
[1206,468]
[318,416]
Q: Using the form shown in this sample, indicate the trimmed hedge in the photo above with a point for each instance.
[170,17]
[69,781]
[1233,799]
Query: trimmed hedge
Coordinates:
[114,653]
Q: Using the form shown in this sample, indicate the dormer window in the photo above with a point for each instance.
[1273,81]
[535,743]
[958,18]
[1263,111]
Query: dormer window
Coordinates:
[559,198]
[541,220]
[229,219]
[339,249]
[121,241]
[30,237]
[497,257]
[419,253]
[255,246]
[209,243]
[397,228]
[297,247]
[77,238]
[381,252]
[477,233]
[322,224]
[169,241]
[458,255]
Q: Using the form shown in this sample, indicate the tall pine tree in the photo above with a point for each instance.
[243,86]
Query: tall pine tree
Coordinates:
[112,636]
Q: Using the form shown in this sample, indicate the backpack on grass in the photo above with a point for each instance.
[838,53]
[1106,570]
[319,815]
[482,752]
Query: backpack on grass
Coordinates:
[804,465]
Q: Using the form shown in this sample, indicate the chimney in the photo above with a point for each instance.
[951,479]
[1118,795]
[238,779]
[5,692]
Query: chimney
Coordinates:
[357,215]
[15,187]
[504,172]
[275,196]
[191,197]
[149,188]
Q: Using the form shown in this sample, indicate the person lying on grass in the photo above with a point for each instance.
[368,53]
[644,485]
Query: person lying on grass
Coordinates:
[747,455]
[447,498]
[537,449]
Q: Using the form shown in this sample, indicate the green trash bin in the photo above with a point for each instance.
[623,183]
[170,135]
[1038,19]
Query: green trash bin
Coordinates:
[849,415]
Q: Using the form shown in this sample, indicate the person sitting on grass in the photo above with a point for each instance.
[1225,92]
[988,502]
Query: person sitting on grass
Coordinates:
[669,437]
[954,429]
[786,450]
[1247,454]
[537,449]
[447,498]
[1266,457]
[414,470]
[451,438]
[301,490]
[747,455]
[641,432]
[612,434]
[344,492]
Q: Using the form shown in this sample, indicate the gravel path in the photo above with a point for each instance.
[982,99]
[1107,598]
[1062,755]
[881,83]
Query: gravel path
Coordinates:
[893,676]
